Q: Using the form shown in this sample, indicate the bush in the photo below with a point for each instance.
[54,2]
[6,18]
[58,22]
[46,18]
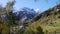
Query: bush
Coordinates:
[59,17]
[4,29]
[29,31]
[55,13]
[39,29]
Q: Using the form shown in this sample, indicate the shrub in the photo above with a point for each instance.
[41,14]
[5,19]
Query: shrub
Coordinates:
[29,31]
[59,17]
[39,29]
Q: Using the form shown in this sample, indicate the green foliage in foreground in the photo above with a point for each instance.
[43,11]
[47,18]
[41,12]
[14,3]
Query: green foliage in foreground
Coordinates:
[30,30]
[4,29]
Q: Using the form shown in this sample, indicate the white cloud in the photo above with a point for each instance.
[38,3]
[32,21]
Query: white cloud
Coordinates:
[37,9]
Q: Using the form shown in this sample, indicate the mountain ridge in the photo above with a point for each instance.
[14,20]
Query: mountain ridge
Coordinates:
[25,14]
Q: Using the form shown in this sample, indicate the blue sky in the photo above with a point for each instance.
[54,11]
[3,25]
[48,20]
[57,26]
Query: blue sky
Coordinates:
[42,5]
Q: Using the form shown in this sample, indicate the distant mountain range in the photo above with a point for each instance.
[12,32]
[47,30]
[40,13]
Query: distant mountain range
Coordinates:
[24,14]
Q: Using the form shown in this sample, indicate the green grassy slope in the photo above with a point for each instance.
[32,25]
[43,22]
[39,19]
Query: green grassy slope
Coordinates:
[49,21]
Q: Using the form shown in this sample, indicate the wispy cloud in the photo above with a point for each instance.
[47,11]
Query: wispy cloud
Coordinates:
[37,9]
